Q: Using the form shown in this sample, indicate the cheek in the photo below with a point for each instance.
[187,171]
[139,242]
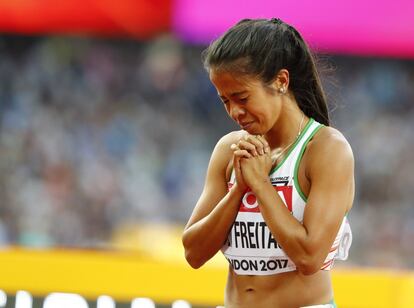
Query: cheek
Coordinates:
[269,113]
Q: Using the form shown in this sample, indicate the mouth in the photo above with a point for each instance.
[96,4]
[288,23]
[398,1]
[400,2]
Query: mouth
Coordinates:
[246,125]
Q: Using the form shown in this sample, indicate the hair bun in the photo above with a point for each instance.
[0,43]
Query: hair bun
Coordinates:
[276,21]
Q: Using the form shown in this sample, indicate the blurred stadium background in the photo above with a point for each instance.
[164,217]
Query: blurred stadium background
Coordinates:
[107,122]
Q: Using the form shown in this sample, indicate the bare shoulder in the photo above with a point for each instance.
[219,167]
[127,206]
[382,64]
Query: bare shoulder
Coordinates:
[232,137]
[329,140]
[223,145]
[215,185]
[223,152]
[329,146]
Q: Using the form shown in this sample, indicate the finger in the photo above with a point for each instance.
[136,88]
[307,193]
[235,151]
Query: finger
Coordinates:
[264,142]
[236,162]
[256,142]
[242,154]
[245,145]
[238,171]
[235,147]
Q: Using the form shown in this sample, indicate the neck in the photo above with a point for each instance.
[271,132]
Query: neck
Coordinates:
[290,122]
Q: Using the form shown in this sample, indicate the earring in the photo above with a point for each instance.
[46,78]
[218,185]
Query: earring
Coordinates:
[282,90]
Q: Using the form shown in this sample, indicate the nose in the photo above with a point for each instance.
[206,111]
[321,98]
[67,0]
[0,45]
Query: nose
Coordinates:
[236,111]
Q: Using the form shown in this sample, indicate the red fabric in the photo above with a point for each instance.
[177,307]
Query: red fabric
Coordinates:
[137,18]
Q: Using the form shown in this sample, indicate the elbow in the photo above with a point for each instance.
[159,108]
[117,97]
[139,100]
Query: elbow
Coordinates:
[308,266]
[194,261]
[191,255]
[310,260]
[308,270]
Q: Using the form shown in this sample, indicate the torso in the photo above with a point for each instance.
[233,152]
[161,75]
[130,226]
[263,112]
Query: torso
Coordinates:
[284,289]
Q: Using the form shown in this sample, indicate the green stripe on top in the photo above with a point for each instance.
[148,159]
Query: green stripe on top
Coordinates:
[303,132]
[295,172]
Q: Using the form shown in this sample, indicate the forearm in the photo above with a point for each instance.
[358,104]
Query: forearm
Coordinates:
[205,237]
[288,231]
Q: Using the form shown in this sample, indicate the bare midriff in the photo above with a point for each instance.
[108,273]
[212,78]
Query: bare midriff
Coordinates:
[285,290]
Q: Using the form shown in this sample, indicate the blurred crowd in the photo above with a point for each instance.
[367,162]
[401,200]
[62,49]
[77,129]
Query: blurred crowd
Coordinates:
[96,135]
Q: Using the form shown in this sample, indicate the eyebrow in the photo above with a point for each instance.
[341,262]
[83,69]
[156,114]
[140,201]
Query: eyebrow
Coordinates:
[233,94]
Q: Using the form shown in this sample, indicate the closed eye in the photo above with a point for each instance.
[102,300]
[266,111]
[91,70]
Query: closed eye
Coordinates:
[244,100]
[240,100]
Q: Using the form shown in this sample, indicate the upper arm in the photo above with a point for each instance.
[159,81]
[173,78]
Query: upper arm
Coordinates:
[331,174]
[215,186]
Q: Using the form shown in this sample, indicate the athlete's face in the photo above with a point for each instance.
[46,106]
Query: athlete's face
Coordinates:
[251,104]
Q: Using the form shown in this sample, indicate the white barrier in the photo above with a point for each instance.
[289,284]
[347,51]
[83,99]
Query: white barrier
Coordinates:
[105,301]
[142,303]
[180,304]
[3,299]
[64,300]
[23,299]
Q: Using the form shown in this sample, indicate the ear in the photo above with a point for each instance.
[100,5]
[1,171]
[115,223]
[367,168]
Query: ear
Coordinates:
[281,81]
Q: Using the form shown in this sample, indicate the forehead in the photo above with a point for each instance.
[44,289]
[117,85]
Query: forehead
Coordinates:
[227,82]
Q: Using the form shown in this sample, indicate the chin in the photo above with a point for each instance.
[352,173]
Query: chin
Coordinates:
[253,131]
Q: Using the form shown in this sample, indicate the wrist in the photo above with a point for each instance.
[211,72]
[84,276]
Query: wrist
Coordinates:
[259,184]
[238,189]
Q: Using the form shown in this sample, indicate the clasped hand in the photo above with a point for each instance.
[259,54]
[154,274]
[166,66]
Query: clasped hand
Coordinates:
[251,161]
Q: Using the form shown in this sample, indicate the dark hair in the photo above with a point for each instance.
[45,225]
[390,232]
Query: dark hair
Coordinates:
[262,47]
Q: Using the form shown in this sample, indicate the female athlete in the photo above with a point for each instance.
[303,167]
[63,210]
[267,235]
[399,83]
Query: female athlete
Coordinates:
[277,192]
